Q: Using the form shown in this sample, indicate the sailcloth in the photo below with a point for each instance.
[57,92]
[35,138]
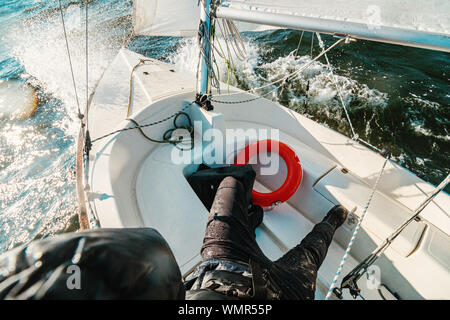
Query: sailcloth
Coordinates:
[419,23]
[176,18]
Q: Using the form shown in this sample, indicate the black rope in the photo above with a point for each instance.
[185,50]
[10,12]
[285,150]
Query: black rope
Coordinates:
[143,133]
[166,136]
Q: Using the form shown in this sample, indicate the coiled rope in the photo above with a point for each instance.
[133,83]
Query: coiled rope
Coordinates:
[139,126]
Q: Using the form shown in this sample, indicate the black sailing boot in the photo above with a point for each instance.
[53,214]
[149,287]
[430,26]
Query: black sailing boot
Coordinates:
[255,215]
[336,216]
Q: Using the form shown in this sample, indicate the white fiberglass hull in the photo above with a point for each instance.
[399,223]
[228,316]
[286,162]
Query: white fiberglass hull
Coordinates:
[133,182]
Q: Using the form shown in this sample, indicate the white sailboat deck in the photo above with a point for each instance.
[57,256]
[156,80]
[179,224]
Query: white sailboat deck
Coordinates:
[134,183]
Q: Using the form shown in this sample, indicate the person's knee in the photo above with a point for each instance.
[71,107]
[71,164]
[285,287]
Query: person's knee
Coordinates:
[231,183]
[230,192]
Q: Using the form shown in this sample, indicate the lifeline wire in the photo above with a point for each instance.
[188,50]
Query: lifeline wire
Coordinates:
[144,125]
[351,279]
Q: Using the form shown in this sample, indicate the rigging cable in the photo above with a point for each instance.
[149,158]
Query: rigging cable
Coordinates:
[355,136]
[80,115]
[87,59]
[351,279]
[299,43]
[355,232]
[307,97]
[83,117]
[87,143]
[94,221]
[303,67]
[333,79]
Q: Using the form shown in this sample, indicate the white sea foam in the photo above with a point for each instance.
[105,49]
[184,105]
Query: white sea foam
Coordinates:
[254,73]
[40,47]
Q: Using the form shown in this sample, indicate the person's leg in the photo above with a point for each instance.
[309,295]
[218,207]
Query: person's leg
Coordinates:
[305,259]
[230,231]
[256,216]
[206,181]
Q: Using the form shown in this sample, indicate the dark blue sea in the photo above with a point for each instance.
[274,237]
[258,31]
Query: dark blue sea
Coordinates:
[397,98]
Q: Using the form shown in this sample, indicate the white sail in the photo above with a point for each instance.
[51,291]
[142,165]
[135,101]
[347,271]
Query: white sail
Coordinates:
[176,18]
[419,23]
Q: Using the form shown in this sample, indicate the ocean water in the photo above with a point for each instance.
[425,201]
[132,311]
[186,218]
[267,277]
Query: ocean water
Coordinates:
[397,97]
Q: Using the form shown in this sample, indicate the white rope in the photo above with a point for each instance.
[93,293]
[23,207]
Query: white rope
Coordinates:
[232,38]
[355,232]
[233,43]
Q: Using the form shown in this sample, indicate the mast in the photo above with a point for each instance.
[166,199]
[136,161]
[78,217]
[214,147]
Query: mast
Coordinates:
[203,86]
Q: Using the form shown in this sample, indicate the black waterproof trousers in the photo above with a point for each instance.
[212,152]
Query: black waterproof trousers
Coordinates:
[230,235]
